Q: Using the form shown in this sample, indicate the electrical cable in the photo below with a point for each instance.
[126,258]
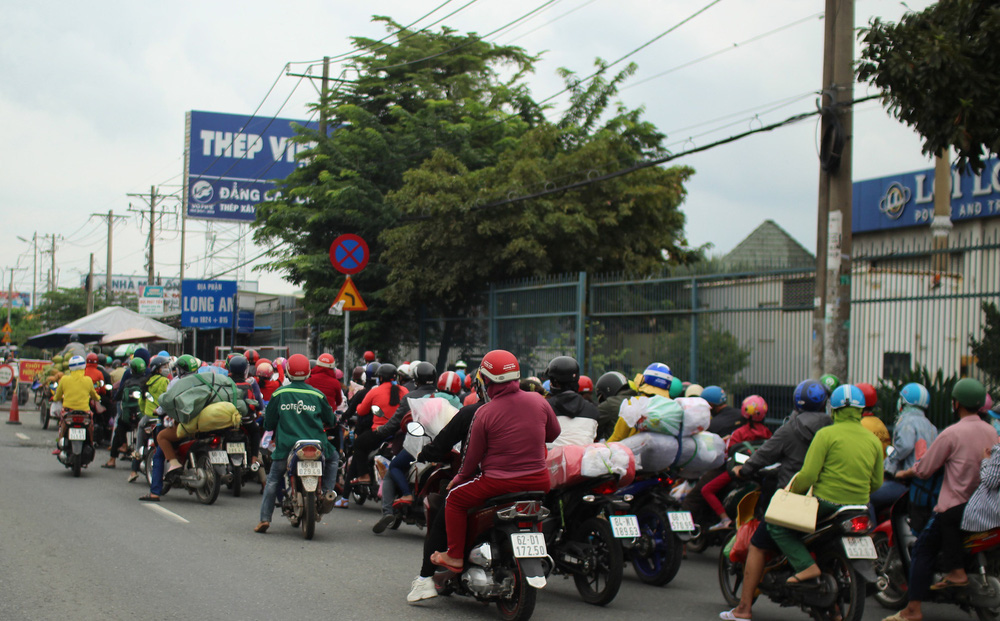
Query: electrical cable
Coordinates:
[551,21]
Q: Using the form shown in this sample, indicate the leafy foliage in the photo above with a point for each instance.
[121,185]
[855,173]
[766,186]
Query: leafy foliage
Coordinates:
[720,360]
[987,349]
[65,305]
[939,72]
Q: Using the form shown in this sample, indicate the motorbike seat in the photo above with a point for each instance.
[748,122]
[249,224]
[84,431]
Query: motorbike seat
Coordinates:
[507,498]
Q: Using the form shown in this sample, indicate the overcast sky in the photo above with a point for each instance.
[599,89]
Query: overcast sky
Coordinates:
[93,98]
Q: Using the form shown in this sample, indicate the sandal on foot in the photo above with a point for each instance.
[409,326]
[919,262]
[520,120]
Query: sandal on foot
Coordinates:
[730,615]
[797,581]
[440,559]
[949,584]
[261,527]
[132,477]
[149,498]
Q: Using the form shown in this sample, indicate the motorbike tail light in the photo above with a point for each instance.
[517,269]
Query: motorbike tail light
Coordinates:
[860,524]
[308,451]
[606,487]
[78,420]
[216,441]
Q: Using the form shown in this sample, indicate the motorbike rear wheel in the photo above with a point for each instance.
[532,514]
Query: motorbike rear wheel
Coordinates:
[730,577]
[850,584]
[663,560]
[209,492]
[521,604]
[308,521]
[600,586]
[891,597]
[43,414]
[76,462]
[237,481]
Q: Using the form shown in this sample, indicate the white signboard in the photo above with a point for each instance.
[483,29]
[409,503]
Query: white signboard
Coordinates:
[151,307]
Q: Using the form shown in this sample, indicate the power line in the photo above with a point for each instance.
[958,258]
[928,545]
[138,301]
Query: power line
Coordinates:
[551,21]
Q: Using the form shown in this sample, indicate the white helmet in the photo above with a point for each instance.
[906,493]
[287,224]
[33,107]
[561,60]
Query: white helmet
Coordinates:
[76,363]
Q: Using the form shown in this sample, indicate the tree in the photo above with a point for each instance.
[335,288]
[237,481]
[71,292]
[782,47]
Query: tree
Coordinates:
[987,349]
[65,305]
[939,72]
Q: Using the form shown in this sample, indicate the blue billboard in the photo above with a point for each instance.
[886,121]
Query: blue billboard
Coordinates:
[208,304]
[231,159]
[906,200]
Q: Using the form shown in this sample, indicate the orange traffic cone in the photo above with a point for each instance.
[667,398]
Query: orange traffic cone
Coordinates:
[14,419]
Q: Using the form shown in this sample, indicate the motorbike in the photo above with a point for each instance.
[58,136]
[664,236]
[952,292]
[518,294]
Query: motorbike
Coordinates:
[505,554]
[204,461]
[77,448]
[583,533]
[425,479]
[702,536]
[378,462]
[303,498]
[44,398]
[844,552]
[657,549]
[894,540]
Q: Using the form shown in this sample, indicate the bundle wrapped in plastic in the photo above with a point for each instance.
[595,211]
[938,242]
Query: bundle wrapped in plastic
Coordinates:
[666,416]
[433,413]
[563,464]
[697,414]
[573,463]
[578,431]
[656,451]
[213,417]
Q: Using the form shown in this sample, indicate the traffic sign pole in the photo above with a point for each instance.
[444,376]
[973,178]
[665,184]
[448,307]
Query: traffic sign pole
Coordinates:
[347,340]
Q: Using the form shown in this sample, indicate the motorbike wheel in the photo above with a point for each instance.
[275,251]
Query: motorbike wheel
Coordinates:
[521,604]
[358,496]
[851,587]
[664,559]
[730,578]
[891,597]
[209,492]
[76,462]
[43,415]
[147,466]
[601,584]
[308,521]
[237,481]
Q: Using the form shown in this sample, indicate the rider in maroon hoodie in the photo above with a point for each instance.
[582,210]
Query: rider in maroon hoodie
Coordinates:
[324,379]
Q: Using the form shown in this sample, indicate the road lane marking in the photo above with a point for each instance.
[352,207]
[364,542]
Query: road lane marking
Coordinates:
[22,436]
[167,513]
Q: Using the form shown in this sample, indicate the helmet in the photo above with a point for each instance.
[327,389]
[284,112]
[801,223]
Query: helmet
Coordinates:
[500,366]
[264,370]
[450,383]
[338,374]
[829,381]
[424,373]
[252,356]
[809,396]
[326,361]
[676,388]
[916,395]
[461,365]
[137,366]
[871,397]
[108,360]
[156,363]
[754,408]
[163,353]
[358,375]
[297,367]
[970,393]
[371,369]
[586,386]
[265,360]
[404,371]
[386,373]
[280,362]
[92,359]
[369,356]
[609,384]
[76,363]
[468,381]
[186,364]
[694,390]
[715,395]
[987,405]
[564,371]
[238,366]
[847,396]
[658,375]
[74,338]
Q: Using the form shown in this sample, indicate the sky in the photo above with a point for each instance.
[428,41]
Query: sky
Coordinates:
[94,96]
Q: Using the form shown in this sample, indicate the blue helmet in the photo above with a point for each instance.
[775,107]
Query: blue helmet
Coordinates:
[714,395]
[658,375]
[916,395]
[810,396]
[847,396]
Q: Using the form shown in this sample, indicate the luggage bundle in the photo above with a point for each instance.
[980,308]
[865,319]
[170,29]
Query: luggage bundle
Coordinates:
[203,402]
[693,455]
[571,463]
[682,417]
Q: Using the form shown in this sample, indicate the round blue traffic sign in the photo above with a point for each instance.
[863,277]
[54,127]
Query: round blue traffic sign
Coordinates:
[349,254]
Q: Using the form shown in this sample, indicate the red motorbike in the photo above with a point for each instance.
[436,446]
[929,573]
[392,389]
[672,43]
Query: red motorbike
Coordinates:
[205,461]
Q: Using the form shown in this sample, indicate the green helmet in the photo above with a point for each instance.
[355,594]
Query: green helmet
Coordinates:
[970,393]
[138,366]
[186,364]
[676,388]
[107,360]
[830,382]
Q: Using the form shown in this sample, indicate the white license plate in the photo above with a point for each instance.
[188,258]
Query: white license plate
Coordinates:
[528,545]
[310,469]
[218,457]
[625,526]
[680,521]
[235,448]
[859,547]
[77,433]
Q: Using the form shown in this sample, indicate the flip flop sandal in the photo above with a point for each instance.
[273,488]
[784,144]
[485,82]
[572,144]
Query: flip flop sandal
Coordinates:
[948,584]
[149,498]
[729,616]
[261,527]
[112,466]
[437,560]
[795,581]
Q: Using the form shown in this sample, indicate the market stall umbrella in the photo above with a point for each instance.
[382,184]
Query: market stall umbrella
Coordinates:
[60,337]
[132,335]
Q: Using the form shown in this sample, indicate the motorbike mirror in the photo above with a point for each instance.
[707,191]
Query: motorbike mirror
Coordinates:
[376,410]
[149,397]
[135,394]
[108,386]
[415,429]
[771,468]
[741,458]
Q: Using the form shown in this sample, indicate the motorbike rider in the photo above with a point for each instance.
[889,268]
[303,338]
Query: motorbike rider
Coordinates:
[324,379]
[76,391]
[586,388]
[265,375]
[725,418]
[788,446]
[959,449]
[159,381]
[577,416]
[128,412]
[388,396]
[460,370]
[506,448]
[296,412]
[612,389]
[868,419]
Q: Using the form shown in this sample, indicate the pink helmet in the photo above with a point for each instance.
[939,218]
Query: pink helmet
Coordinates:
[280,362]
[754,408]
[987,405]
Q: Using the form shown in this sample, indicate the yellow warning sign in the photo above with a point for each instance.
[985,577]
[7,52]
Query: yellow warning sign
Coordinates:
[6,330]
[350,296]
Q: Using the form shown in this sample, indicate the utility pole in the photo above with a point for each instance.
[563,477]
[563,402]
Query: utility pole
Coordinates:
[34,272]
[322,96]
[111,228]
[90,286]
[52,272]
[150,266]
[836,171]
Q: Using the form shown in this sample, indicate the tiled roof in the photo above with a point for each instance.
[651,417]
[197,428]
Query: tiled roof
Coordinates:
[768,246]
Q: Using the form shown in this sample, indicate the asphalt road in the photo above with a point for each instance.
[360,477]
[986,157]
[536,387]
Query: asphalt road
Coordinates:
[87,549]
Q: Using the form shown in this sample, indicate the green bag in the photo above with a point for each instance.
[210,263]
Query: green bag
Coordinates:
[189,395]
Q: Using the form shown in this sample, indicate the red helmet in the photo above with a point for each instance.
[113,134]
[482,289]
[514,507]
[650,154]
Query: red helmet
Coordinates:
[369,356]
[264,370]
[754,408]
[92,358]
[468,381]
[326,361]
[450,383]
[252,356]
[297,367]
[265,361]
[871,397]
[500,366]
[586,386]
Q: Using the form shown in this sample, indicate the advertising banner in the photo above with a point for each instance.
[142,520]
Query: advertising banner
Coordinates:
[151,307]
[30,368]
[244,321]
[21,299]
[232,158]
[906,200]
[208,303]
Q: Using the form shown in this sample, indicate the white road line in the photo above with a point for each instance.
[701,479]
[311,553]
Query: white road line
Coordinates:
[22,436]
[167,513]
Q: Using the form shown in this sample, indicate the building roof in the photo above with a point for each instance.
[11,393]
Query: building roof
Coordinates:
[768,246]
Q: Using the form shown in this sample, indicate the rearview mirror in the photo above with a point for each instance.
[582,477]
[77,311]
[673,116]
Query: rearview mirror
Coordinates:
[741,458]
[415,429]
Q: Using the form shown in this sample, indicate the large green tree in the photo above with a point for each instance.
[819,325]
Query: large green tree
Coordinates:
[987,348]
[939,72]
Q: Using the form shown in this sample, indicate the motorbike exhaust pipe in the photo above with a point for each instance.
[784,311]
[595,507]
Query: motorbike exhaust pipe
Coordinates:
[254,467]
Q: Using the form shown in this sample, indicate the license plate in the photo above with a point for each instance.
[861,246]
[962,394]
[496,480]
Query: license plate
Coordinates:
[218,457]
[859,547]
[528,545]
[310,469]
[235,447]
[625,526]
[77,433]
[680,521]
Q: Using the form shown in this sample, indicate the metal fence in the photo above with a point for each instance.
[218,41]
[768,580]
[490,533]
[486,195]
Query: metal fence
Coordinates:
[749,331]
